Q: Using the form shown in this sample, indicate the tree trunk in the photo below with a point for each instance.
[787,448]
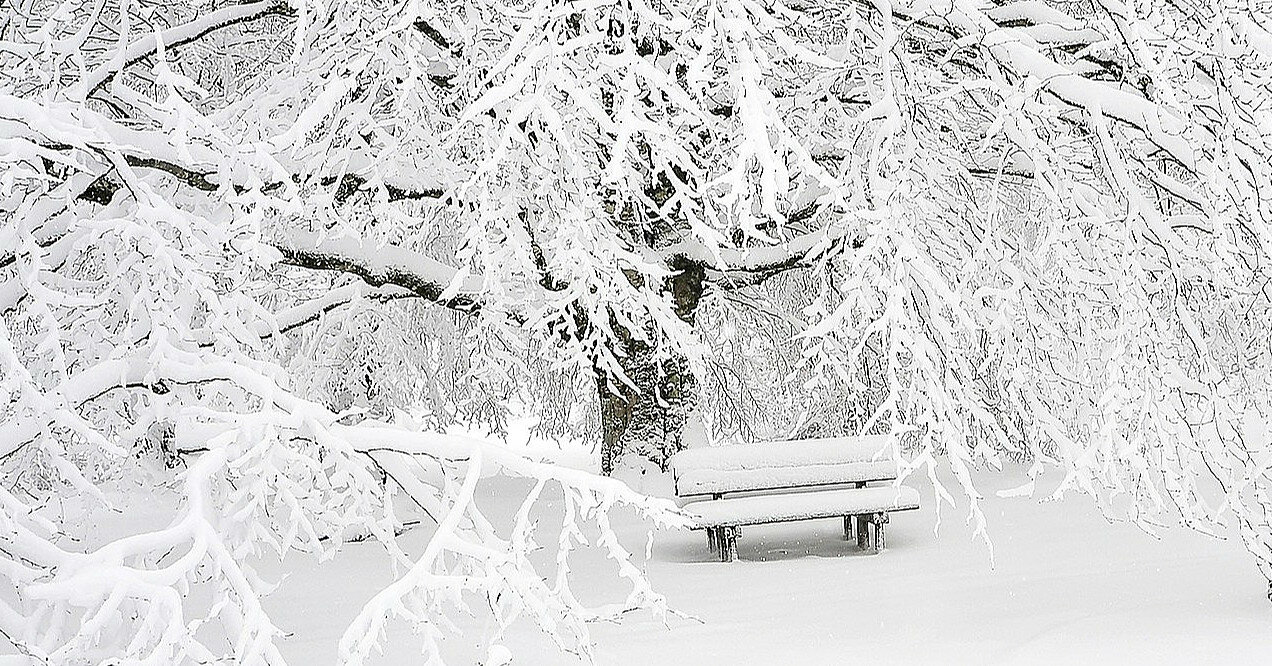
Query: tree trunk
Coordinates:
[650,418]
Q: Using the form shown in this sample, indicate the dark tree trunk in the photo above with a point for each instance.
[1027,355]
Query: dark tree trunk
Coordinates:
[650,418]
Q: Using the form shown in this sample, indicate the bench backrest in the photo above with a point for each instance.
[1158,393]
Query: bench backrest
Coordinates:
[785,464]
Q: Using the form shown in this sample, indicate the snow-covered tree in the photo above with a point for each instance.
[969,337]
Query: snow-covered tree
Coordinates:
[274,245]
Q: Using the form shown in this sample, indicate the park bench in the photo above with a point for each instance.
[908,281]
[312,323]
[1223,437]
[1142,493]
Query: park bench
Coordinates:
[786,481]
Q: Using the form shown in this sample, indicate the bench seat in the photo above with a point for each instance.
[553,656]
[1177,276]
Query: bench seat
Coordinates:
[761,509]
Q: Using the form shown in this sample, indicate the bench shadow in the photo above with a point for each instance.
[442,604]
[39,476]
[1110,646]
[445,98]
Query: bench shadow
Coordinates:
[770,543]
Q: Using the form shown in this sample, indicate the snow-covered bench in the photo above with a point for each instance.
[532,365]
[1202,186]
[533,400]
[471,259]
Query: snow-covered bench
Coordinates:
[788,481]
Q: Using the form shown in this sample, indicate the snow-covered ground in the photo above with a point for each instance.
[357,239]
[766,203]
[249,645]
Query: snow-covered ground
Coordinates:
[1066,586]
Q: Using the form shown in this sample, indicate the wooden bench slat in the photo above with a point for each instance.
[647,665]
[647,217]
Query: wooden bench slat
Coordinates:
[802,506]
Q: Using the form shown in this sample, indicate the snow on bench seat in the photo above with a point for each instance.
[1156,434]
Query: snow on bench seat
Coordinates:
[710,481]
[761,509]
[786,453]
[783,464]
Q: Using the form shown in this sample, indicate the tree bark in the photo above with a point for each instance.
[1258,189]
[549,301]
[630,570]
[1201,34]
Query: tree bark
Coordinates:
[649,418]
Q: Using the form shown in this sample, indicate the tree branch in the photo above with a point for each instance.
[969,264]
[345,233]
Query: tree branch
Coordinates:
[105,187]
[312,310]
[1014,49]
[386,265]
[147,46]
[734,267]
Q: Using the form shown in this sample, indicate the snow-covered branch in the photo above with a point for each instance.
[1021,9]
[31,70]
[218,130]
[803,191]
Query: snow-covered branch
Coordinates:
[745,267]
[385,265]
[175,36]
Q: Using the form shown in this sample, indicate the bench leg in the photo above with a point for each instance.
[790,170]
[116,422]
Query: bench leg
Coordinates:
[728,537]
[848,533]
[713,539]
[870,531]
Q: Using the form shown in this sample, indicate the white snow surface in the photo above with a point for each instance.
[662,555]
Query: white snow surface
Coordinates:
[705,481]
[787,453]
[802,505]
[782,464]
[1065,586]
